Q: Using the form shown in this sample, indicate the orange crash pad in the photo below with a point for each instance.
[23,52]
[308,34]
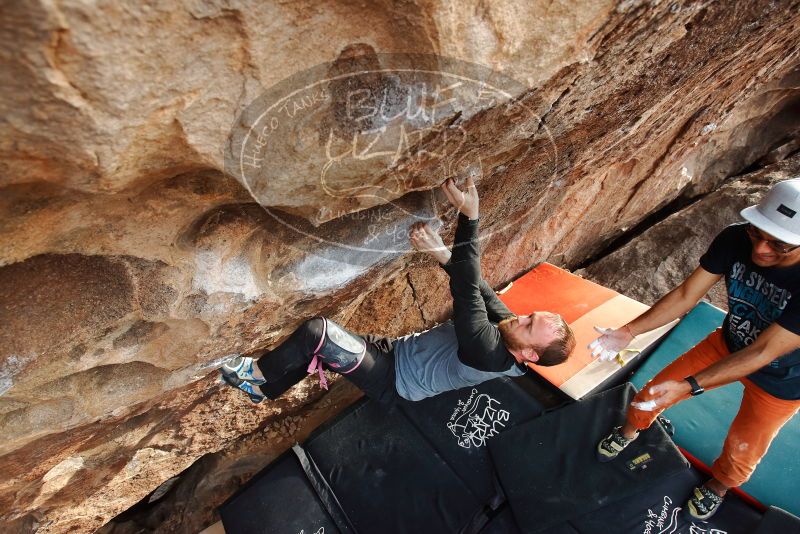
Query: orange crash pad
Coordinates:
[583,305]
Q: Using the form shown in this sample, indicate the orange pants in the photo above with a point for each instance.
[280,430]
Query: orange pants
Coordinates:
[760,416]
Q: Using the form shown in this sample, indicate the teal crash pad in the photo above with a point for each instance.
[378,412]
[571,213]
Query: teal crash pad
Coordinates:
[701,424]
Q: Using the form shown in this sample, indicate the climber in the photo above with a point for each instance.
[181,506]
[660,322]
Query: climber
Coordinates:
[484,340]
[758,344]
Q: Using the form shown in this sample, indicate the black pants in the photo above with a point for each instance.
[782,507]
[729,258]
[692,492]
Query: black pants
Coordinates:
[287,364]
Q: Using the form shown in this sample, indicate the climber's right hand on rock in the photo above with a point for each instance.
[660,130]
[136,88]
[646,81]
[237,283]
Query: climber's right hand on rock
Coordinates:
[610,343]
[464,201]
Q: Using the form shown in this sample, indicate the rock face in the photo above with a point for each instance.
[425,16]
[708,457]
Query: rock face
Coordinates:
[664,255]
[133,259]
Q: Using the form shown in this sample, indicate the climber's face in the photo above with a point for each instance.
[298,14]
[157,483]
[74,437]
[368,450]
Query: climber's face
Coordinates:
[527,335]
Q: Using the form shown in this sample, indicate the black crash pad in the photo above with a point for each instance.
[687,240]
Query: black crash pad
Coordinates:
[429,456]
[503,523]
[460,424]
[387,477]
[410,467]
[658,508]
[279,500]
[548,470]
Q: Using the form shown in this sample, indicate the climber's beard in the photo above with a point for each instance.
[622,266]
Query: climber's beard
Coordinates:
[508,330]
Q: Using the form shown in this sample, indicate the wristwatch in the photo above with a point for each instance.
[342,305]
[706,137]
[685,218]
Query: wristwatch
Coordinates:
[697,389]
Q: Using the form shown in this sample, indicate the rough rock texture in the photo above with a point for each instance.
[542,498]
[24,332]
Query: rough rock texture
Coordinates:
[103,97]
[660,258]
[131,263]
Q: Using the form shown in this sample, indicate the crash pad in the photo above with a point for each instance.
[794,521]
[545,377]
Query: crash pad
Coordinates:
[403,467]
[279,500]
[548,469]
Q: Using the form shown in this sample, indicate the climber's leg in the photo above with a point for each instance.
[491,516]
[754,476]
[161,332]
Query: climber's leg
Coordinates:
[318,343]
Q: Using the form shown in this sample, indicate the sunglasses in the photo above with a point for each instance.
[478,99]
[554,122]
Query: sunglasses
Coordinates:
[778,246]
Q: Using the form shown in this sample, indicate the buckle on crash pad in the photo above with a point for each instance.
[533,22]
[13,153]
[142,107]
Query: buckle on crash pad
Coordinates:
[669,428]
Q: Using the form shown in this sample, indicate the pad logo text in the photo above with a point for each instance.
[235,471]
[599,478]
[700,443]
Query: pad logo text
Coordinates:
[477,419]
[665,521]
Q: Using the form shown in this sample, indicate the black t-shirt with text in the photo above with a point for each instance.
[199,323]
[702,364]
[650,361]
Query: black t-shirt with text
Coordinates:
[757,297]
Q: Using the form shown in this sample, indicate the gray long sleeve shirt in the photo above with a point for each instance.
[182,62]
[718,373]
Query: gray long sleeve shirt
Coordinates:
[468,349]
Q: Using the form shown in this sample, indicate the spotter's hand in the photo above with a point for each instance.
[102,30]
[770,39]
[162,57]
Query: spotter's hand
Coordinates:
[663,395]
[610,343]
[464,201]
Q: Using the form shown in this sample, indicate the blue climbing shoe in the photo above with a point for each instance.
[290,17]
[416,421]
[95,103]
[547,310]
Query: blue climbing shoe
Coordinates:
[242,367]
[234,381]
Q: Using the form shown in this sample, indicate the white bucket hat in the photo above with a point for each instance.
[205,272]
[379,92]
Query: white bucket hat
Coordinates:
[778,213]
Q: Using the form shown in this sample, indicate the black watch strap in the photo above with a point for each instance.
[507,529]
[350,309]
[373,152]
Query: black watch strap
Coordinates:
[696,388]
